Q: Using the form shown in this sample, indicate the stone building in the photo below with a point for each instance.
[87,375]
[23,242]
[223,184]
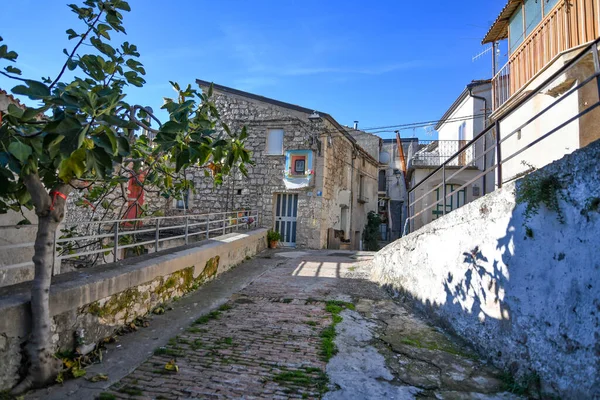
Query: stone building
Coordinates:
[312,181]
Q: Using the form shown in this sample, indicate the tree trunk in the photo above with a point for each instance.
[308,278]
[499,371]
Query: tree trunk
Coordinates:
[50,209]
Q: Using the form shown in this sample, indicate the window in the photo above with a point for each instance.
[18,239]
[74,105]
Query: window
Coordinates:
[361,186]
[526,19]
[453,201]
[382,181]
[549,5]
[533,15]
[275,142]
[516,32]
[183,204]
[300,166]
[462,131]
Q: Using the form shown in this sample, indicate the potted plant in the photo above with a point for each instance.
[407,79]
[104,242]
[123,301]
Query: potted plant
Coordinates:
[273,237]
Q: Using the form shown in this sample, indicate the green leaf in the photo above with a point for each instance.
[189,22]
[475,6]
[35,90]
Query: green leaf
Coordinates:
[72,34]
[98,161]
[172,127]
[200,154]
[37,143]
[123,146]
[52,143]
[136,66]
[21,151]
[12,70]
[103,30]
[31,113]
[8,55]
[122,5]
[183,158]
[133,78]
[15,110]
[244,133]
[103,47]
[34,90]
[74,166]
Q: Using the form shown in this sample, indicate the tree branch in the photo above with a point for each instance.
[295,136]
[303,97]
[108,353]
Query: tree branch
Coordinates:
[140,123]
[83,37]
[13,77]
[39,196]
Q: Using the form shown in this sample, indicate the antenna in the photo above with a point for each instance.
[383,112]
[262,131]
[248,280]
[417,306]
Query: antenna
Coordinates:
[429,130]
[483,53]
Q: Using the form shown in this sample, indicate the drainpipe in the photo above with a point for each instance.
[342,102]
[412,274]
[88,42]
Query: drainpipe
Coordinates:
[484,136]
[351,231]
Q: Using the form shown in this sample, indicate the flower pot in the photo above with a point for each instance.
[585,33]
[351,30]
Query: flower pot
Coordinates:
[273,244]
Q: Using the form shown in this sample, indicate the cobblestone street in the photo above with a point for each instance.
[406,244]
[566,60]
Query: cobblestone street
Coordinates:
[274,340]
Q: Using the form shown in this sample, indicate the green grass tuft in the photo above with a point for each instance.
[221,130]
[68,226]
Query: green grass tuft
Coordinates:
[208,317]
[106,396]
[131,390]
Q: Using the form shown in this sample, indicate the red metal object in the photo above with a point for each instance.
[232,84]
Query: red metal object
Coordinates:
[135,197]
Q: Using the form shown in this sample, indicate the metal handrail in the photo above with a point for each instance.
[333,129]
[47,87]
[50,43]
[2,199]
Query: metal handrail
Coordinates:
[515,106]
[496,145]
[221,222]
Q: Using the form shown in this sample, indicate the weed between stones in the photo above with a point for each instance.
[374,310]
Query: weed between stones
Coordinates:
[305,377]
[334,307]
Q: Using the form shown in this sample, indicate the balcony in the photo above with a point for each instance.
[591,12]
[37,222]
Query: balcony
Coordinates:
[566,26]
[435,152]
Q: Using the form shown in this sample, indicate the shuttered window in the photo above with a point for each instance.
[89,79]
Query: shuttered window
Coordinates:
[275,142]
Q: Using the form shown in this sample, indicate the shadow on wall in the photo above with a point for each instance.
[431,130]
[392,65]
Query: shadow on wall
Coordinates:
[517,273]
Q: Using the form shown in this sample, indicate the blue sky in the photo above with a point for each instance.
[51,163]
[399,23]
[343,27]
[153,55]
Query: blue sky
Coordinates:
[381,62]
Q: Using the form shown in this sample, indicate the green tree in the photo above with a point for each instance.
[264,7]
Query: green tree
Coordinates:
[371,233]
[83,133]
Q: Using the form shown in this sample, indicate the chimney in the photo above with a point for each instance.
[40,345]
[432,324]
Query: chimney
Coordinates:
[355,125]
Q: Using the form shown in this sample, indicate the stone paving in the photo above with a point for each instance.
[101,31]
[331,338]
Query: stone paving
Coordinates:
[265,343]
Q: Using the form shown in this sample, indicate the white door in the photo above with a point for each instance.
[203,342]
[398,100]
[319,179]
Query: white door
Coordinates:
[286,213]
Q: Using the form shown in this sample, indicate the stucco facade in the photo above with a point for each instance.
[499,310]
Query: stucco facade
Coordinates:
[567,104]
[461,123]
[337,192]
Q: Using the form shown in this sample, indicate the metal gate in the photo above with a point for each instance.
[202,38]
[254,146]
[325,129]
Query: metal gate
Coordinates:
[286,213]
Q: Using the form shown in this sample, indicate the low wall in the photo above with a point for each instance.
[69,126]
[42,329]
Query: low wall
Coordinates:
[93,303]
[524,288]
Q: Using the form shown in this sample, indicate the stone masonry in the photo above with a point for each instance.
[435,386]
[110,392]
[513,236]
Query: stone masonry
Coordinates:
[337,164]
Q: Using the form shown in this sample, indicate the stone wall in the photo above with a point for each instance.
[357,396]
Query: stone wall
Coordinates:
[522,287]
[95,303]
[318,205]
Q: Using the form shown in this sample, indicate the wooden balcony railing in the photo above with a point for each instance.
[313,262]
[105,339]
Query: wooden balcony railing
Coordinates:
[570,24]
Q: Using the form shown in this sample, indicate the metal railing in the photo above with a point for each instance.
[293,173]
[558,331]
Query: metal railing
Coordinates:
[452,188]
[436,152]
[113,240]
[501,90]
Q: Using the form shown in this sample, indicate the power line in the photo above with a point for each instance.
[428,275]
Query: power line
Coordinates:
[414,125]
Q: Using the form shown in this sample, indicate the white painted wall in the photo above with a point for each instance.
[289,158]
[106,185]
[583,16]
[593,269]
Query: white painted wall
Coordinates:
[552,148]
[529,302]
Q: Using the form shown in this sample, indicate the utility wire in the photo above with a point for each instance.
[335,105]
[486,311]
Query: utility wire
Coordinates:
[408,126]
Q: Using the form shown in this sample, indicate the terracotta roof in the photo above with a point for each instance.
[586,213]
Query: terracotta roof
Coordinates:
[12,98]
[499,29]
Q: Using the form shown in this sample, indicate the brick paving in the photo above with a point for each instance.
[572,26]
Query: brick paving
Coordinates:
[263,344]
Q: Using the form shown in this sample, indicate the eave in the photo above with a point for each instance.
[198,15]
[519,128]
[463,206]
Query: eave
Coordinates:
[499,29]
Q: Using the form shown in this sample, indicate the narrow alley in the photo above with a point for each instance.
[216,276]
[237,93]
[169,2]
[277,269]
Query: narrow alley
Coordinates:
[288,324]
